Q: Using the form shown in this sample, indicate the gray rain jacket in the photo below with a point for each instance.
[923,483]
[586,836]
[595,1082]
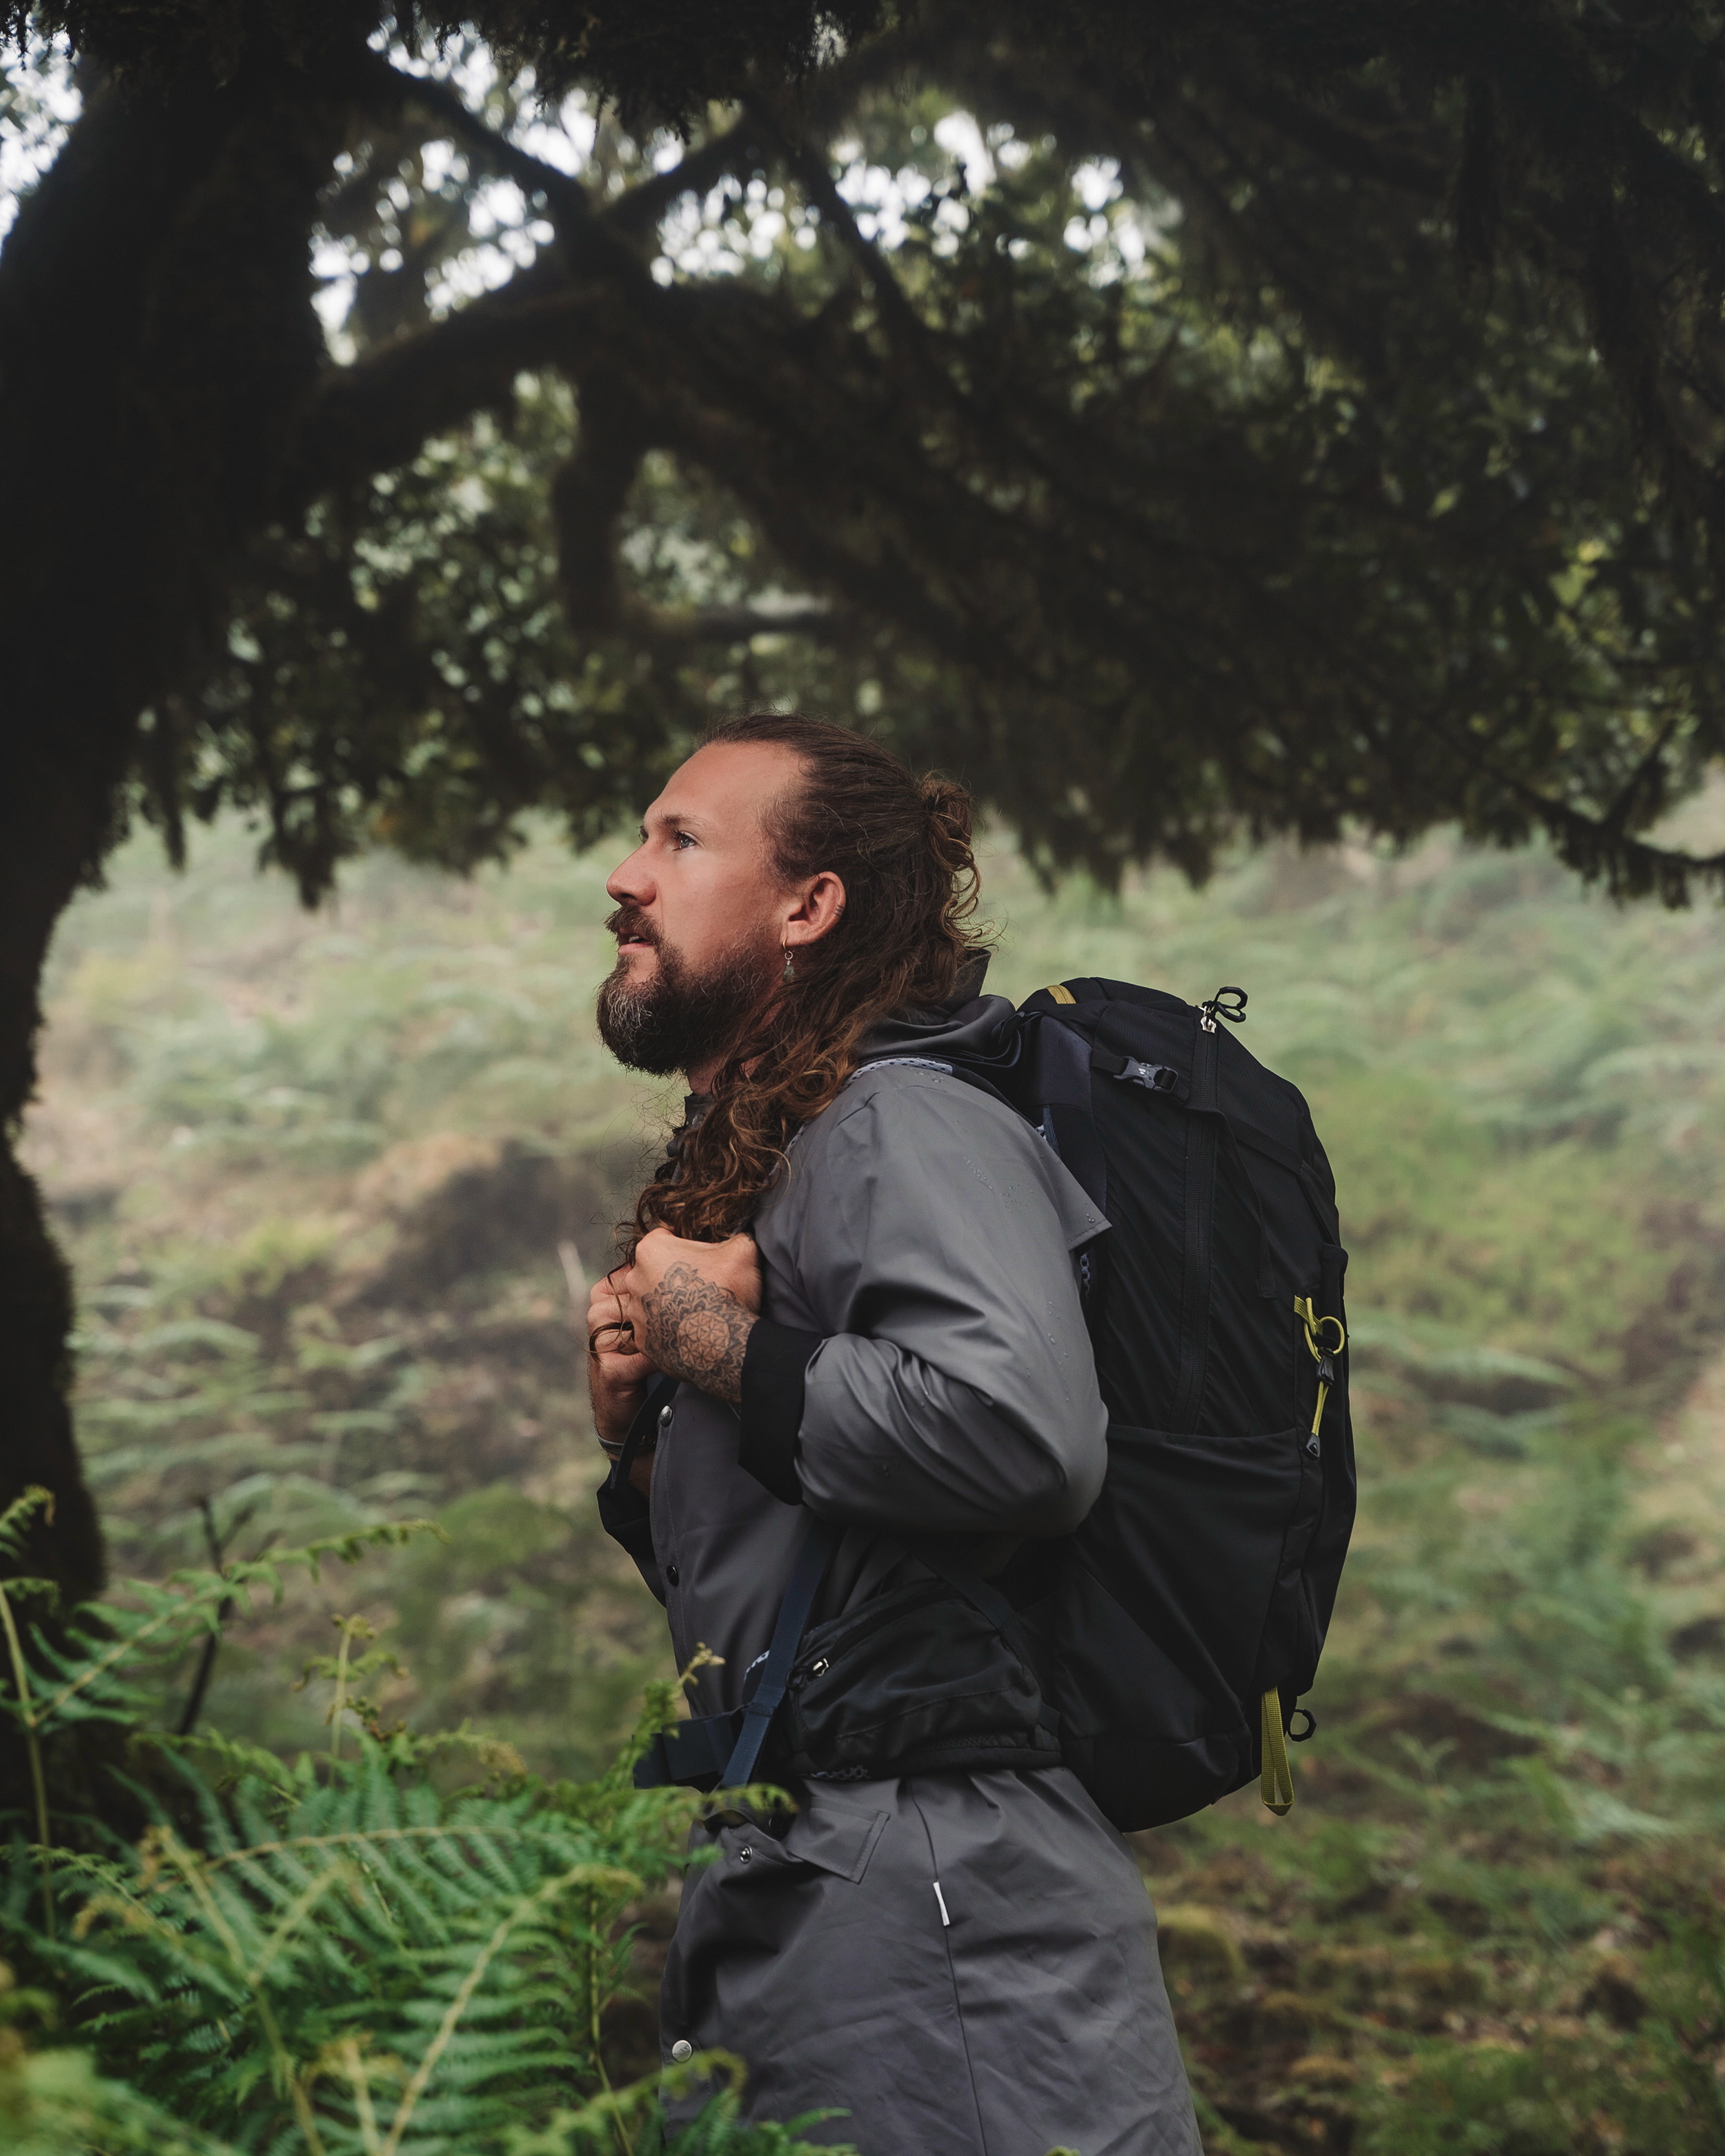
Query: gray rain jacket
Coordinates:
[964,1960]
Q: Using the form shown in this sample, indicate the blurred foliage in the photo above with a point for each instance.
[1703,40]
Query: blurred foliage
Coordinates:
[1186,430]
[318,1169]
[331,1958]
[315,1170]
[1183,429]
[1190,427]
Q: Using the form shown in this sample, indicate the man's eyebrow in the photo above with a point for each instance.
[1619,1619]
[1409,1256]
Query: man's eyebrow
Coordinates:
[667,819]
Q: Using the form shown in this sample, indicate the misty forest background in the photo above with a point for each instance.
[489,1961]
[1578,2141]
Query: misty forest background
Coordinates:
[1317,533]
[313,1170]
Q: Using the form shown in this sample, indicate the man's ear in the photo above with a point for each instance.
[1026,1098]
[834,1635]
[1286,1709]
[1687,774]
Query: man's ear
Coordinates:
[815,910]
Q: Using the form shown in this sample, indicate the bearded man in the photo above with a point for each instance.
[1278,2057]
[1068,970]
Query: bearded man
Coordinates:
[861,1275]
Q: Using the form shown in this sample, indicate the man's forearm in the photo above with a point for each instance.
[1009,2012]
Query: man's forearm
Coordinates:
[696,1332]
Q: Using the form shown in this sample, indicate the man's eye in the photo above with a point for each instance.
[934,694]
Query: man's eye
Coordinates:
[681,839]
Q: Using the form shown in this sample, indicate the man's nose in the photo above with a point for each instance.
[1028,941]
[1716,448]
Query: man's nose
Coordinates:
[629,883]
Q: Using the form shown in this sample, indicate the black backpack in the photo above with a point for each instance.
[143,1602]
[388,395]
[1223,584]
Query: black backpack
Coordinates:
[1174,1630]
[1170,1635]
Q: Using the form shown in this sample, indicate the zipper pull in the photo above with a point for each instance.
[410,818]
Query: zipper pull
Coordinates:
[1325,1379]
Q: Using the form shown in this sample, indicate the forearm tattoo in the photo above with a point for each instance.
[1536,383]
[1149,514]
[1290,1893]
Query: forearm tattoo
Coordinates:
[697,1331]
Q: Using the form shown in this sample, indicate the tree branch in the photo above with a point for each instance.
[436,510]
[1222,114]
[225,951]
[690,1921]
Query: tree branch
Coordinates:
[375,415]
[589,493]
[571,211]
[814,175]
[1343,149]
[637,213]
[578,219]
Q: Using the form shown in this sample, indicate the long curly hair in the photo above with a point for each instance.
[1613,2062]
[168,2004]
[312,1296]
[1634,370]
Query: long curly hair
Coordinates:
[902,847]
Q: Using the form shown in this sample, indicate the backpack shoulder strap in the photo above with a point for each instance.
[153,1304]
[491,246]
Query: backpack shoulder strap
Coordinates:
[807,1573]
[723,1750]
[963,1071]
[1058,1076]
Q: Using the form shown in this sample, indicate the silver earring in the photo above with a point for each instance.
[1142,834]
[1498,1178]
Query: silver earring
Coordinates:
[789,970]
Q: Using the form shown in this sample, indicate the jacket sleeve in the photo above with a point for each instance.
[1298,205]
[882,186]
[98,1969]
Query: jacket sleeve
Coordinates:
[625,1513]
[624,1516]
[955,1391]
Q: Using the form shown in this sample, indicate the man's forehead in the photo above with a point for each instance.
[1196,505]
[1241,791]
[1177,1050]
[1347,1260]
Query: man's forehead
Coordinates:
[724,788]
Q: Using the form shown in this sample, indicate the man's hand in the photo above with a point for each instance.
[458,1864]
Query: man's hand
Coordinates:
[692,1305]
[617,1376]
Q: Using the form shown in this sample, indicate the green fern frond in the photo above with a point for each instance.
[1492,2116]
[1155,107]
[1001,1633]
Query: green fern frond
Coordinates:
[338,1957]
[16,1520]
[56,2103]
[235,1756]
[456,1933]
[635,2115]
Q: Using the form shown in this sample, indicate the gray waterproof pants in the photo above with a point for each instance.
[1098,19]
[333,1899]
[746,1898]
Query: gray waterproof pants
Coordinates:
[1020,2007]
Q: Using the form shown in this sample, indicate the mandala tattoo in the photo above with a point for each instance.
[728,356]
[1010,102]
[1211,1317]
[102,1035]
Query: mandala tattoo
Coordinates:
[697,1331]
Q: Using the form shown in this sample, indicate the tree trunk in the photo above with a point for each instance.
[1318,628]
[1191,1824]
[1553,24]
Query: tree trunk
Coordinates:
[156,336]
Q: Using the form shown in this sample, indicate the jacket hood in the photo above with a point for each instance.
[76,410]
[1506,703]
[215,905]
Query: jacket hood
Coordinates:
[981,1029]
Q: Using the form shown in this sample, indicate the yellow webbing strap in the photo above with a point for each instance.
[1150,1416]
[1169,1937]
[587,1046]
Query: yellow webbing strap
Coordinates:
[1323,1356]
[1277,1786]
[1060,993]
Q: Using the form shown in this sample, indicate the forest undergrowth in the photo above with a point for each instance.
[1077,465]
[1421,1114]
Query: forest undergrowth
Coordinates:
[328,1182]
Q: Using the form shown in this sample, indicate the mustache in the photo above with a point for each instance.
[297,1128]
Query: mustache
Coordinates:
[628,923]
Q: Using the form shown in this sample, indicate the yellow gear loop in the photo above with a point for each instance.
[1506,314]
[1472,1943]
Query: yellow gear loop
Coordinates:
[1322,1353]
[1277,1785]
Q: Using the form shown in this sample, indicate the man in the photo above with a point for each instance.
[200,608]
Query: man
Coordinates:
[862,1273]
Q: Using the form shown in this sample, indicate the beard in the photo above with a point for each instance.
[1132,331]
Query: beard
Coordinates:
[680,1019]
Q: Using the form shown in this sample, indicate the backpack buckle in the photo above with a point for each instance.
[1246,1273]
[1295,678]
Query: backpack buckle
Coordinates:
[1159,1077]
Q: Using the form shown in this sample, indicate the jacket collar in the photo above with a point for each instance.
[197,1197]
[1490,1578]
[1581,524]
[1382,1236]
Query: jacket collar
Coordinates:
[975,1027]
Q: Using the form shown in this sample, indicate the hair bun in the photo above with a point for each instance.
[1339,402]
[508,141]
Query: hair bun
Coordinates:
[947,807]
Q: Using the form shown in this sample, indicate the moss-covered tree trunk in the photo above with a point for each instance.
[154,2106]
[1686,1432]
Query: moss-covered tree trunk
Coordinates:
[155,336]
